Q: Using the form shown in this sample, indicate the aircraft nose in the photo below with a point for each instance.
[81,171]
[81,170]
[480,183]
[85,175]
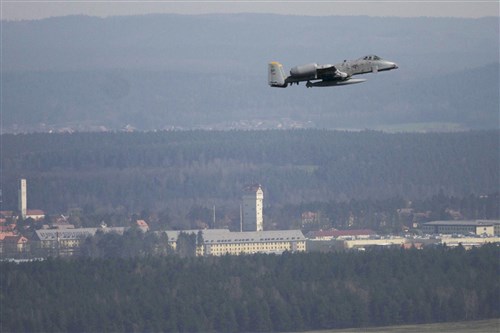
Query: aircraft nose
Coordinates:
[394,65]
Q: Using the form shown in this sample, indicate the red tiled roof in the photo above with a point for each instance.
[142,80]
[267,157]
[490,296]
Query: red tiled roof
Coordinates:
[142,223]
[5,228]
[5,234]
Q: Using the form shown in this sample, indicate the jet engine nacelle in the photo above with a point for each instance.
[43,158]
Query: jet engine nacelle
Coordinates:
[333,83]
[308,70]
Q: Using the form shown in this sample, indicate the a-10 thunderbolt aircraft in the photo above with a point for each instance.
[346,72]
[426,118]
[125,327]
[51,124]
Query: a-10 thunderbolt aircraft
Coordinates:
[327,75]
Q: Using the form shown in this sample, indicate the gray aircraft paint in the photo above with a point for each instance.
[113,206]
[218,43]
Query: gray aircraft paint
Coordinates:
[327,75]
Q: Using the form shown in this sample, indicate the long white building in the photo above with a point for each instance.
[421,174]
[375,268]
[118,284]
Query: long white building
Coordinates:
[217,242]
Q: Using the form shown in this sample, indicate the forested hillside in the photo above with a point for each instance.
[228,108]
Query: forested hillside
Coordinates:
[260,293]
[188,172]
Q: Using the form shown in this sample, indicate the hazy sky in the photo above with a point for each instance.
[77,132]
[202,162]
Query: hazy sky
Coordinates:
[36,9]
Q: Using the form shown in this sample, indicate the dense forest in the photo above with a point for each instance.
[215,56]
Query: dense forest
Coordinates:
[177,177]
[255,293]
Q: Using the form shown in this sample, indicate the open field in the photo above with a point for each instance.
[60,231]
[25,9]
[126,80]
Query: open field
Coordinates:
[481,326]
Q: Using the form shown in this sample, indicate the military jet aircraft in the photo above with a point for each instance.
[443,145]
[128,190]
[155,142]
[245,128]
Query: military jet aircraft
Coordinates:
[327,75]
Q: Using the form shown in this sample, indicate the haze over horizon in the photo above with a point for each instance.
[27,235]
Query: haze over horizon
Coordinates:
[181,71]
[203,64]
[13,10]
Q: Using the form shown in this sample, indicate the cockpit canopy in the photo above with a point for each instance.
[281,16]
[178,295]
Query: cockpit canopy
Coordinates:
[372,57]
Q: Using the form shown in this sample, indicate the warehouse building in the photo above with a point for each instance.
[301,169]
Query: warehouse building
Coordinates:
[476,227]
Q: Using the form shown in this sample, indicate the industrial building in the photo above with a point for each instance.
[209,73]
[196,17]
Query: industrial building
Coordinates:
[341,234]
[466,242]
[361,243]
[466,227]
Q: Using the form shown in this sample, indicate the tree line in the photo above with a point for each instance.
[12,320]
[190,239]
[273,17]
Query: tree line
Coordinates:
[175,173]
[257,293]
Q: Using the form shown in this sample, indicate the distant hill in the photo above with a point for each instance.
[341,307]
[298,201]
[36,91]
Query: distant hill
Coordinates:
[210,71]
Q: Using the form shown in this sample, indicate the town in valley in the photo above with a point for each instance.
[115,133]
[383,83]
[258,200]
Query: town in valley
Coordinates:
[31,234]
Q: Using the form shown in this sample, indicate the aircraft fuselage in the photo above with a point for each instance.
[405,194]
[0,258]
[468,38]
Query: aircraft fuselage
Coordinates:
[368,64]
[328,75]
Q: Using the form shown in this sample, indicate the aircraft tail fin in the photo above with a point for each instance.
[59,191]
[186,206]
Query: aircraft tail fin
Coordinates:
[276,75]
